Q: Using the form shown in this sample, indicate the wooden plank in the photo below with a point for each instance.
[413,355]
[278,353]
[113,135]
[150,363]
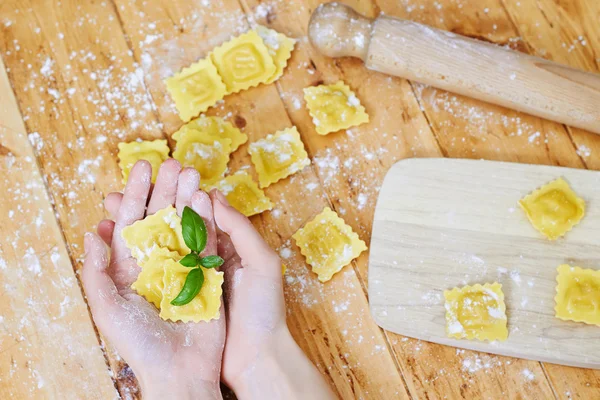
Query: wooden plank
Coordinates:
[80,93]
[352,167]
[443,223]
[330,322]
[41,305]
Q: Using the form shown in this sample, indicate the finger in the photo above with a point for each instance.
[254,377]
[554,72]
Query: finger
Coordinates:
[133,206]
[189,181]
[249,245]
[165,189]
[105,230]
[112,203]
[202,205]
[102,295]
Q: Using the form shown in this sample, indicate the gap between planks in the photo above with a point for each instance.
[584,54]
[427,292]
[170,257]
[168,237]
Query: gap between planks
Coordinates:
[18,116]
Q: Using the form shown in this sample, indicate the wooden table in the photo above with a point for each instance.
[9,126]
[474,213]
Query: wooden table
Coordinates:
[86,75]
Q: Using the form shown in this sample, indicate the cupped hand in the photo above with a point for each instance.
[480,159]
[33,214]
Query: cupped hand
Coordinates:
[169,359]
[253,290]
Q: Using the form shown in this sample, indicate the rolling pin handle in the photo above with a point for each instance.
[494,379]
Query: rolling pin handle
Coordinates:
[336,30]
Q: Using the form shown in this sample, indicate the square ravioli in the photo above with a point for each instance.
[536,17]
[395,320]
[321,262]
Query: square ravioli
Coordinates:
[155,152]
[243,62]
[334,107]
[476,312]
[196,88]
[328,244]
[214,126]
[244,194]
[278,156]
[578,295]
[554,209]
[149,282]
[161,230]
[204,307]
[280,48]
[208,154]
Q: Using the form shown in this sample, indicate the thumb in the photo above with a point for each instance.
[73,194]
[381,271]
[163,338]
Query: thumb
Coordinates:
[254,252]
[101,292]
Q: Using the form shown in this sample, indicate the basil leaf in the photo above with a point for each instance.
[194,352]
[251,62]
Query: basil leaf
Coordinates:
[191,260]
[211,261]
[193,230]
[191,287]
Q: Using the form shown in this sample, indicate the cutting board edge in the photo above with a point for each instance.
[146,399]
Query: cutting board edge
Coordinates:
[484,347]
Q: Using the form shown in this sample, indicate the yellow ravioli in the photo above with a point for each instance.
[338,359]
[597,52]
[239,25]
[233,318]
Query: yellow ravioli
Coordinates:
[244,194]
[204,307]
[196,88]
[476,312]
[149,282]
[278,156]
[334,107]
[280,48]
[155,152]
[554,209]
[328,244]
[161,230]
[243,62]
[578,295]
[214,126]
[208,154]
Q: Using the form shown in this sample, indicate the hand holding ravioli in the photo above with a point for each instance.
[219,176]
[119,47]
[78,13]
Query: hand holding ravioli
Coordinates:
[158,351]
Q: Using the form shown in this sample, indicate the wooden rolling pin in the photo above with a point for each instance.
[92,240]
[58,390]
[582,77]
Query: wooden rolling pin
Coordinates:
[459,64]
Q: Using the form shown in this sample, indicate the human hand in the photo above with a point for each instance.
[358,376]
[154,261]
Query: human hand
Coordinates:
[170,360]
[261,359]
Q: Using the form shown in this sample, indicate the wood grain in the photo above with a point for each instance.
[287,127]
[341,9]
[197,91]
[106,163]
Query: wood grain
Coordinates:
[48,349]
[443,223]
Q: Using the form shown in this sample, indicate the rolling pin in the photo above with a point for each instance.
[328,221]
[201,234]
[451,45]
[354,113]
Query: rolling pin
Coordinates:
[459,64]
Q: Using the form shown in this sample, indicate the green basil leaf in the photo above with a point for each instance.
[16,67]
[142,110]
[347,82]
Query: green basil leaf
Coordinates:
[211,261]
[193,230]
[191,287]
[191,260]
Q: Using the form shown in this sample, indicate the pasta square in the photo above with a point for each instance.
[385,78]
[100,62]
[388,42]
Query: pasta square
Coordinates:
[196,88]
[328,244]
[243,62]
[161,230]
[149,282]
[280,48]
[334,107]
[554,209]
[476,312]
[244,194]
[155,152]
[578,295]
[214,126]
[278,156]
[208,154]
[204,307]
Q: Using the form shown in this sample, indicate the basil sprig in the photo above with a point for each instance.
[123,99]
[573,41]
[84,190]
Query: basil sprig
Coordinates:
[195,237]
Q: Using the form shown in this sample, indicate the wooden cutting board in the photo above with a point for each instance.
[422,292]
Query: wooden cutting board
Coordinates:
[441,223]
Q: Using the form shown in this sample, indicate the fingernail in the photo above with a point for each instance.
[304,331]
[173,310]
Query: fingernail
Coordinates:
[222,199]
[87,242]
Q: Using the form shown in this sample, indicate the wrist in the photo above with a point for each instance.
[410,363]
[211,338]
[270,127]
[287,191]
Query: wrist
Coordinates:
[281,370]
[176,387]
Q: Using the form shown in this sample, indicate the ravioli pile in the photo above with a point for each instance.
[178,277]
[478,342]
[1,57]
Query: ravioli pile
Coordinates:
[156,242]
[479,311]
[206,144]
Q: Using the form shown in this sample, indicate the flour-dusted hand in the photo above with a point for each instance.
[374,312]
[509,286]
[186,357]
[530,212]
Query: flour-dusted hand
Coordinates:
[261,359]
[170,360]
